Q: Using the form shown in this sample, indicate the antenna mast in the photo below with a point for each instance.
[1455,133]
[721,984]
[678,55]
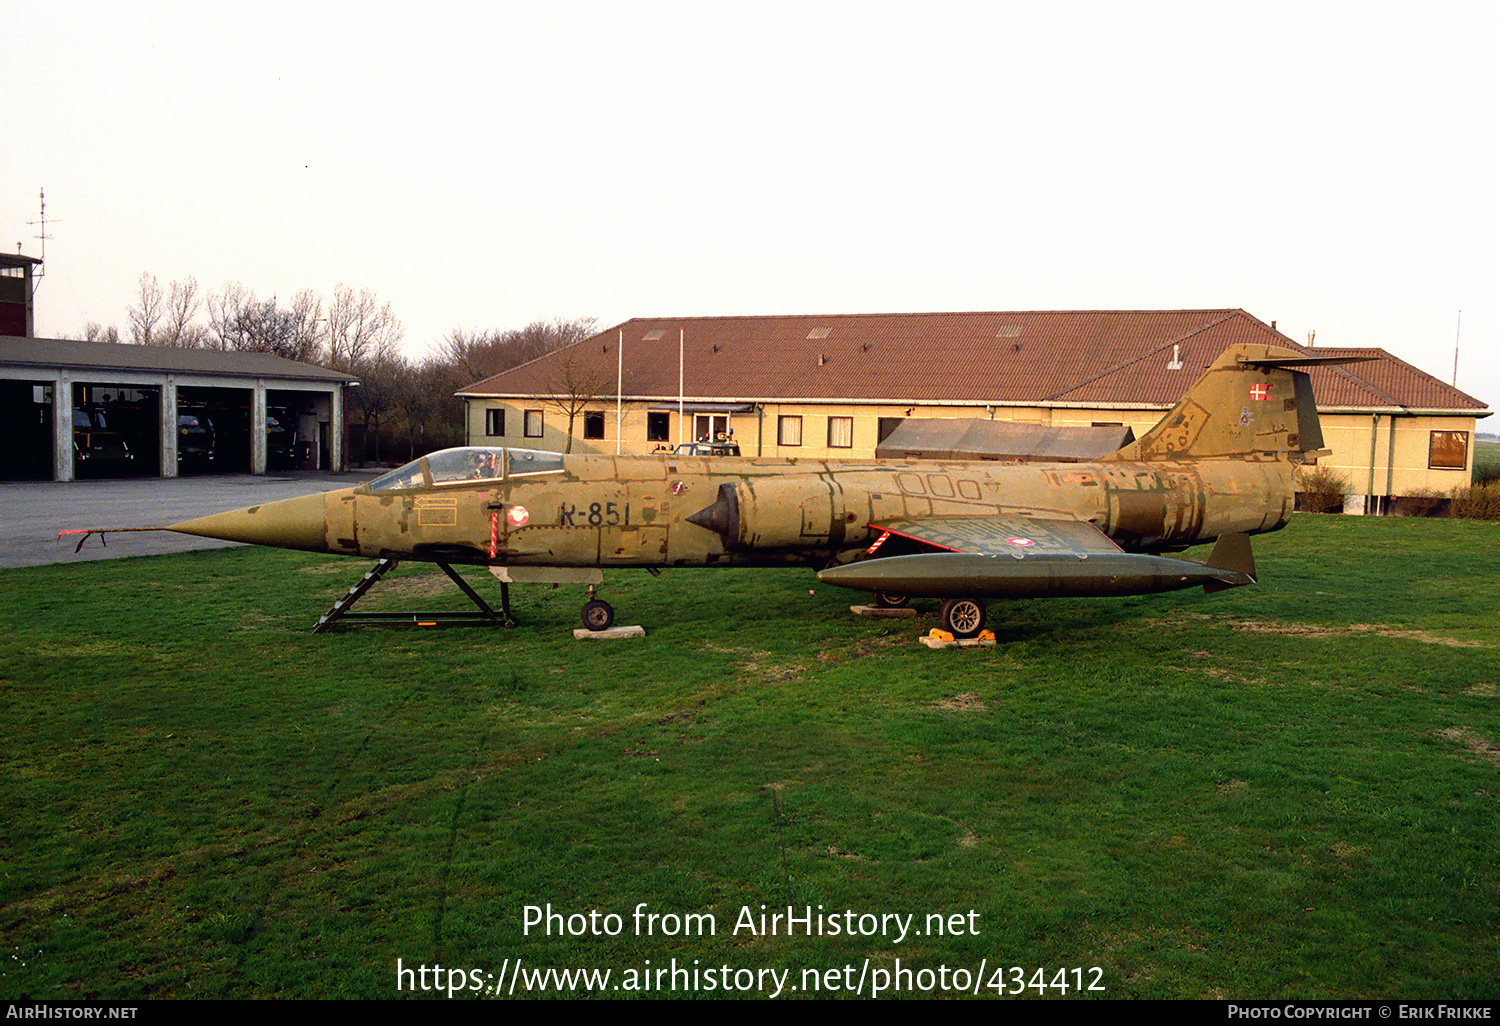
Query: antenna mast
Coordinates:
[41,224]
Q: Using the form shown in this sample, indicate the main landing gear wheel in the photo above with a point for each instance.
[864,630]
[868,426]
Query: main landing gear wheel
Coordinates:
[598,615]
[886,601]
[962,617]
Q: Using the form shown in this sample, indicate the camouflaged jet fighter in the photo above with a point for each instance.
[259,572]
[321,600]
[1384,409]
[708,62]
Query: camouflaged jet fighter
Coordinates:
[1219,466]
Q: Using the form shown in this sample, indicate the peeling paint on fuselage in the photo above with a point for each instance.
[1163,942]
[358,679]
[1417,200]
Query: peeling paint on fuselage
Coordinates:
[632,511]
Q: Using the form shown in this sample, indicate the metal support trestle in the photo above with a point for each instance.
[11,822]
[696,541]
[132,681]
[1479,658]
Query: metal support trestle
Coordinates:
[484,615]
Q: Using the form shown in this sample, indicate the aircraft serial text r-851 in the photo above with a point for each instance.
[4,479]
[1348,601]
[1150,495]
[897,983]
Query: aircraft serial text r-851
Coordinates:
[1220,466]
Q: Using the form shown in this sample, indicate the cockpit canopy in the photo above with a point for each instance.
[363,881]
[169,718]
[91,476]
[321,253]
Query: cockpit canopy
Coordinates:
[471,463]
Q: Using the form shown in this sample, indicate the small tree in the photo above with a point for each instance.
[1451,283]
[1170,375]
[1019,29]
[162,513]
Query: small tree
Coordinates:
[573,387]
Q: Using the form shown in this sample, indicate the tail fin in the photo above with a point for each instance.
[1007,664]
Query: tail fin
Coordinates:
[1249,405]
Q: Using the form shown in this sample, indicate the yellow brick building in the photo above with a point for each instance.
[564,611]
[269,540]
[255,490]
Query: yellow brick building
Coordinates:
[833,386]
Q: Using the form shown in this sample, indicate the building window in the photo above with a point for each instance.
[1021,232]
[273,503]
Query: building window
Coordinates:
[711,427]
[533,423]
[658,427]
[1448,450]
[494,423]
[593,425]
[840,432]
[788,430]
[885,426]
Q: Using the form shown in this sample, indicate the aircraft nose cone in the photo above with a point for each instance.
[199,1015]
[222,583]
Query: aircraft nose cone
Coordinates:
[289,524]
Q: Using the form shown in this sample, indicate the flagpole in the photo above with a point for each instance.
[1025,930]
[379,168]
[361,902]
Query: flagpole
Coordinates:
[1459,330]
[619,388]
[681,426]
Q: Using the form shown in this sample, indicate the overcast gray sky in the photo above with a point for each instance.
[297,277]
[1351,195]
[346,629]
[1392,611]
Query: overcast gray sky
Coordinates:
[1326,166]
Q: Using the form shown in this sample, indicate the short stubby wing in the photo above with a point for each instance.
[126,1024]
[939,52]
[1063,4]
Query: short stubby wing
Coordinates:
[1019,557]
[1002,534]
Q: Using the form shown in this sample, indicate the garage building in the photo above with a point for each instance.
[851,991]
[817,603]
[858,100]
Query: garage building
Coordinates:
[73,409]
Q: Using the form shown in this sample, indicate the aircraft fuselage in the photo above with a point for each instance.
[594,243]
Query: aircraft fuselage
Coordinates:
[1220,465]
[635,510]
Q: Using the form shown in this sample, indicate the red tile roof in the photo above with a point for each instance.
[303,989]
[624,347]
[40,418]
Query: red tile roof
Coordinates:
[1385,381]
[1032,358]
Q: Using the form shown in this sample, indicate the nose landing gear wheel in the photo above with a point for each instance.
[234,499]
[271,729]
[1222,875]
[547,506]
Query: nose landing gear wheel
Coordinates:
[598,615]
[963,617]
[886,601]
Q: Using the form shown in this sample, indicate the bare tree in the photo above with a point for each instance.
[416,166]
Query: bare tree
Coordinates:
[224,309]
[541,337]
[306,324]
[93,331]
[360,329]
[421,394]
[482,354]
[446,424]
[465,351]
[145,317]
[238,321]
[374,398]
[180,327]
[571,388]
[445,376]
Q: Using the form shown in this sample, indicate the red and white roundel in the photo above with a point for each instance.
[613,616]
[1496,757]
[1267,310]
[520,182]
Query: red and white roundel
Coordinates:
[1020,541]
[517,516]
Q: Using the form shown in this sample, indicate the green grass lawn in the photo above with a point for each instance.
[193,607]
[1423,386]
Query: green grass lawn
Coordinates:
[1290,790]
[1486,459]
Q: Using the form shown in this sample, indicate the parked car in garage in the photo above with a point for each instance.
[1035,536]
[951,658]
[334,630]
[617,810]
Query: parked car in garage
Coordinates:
[98,448]
[195,441]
